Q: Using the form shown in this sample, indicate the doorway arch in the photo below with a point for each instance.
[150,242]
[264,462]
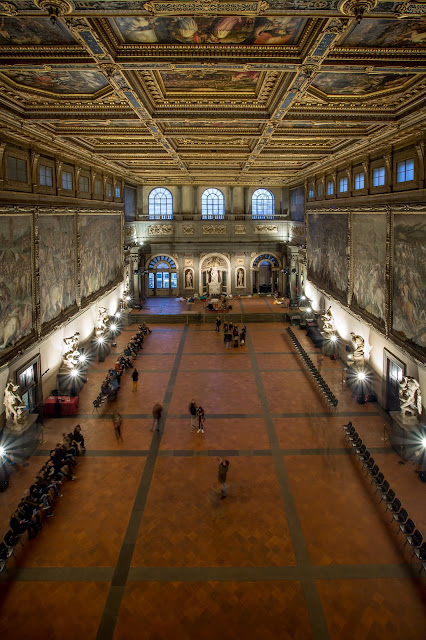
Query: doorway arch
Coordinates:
[265,273]
[162,277]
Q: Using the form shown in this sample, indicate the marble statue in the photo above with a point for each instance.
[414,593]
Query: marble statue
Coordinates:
[15,408]
[101,321]
[214,277]
[410,400]
[328,322]
[71,356]
[240,278]
[124,300]
[188,279]
[358,354]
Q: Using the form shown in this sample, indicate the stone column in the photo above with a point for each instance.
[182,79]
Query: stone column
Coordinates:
[246,201]
[231,200]
[139,201]
[195,200]
[179,200]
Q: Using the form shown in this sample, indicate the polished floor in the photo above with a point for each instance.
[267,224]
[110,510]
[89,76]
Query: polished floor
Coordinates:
[142,546]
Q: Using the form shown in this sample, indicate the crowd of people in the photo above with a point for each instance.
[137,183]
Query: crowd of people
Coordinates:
[37,501]
[232,334]
[111,385]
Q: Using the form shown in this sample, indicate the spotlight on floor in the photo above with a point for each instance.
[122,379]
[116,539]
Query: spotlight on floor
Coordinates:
[74,373]
[361,375]
[82,358]
[2,452]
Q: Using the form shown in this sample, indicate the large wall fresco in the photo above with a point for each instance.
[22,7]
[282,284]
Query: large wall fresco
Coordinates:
[33,31]
[100,252]
[369,265]
[16,304]
[327,261]
[207,80]
[57,265]
[297,204]
[60,81]
[409,280]
[357,83]
[200,29]
[387,33]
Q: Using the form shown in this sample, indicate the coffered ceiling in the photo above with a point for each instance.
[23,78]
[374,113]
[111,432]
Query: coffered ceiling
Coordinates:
[244,92]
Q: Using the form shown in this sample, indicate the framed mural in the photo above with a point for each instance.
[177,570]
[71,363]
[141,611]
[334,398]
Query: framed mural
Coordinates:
[327,259]
[409,281]
[297,204]
[261,30]
[57,265]
[369,265]
[100,251]
[16,280]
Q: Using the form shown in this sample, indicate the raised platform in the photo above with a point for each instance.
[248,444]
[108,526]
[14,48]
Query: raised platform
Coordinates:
[172,310]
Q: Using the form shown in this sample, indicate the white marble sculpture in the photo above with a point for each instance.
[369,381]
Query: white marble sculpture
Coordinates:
[124,300]
[328,322]
[101,321]
[358,354]
[15,408]
[410,400]
[71,356]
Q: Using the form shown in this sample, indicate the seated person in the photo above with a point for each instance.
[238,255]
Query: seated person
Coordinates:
[19,525]
[78,437]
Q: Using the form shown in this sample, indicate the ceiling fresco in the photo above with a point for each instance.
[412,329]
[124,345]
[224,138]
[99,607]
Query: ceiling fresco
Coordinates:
[205,80]
[201,29]
[387,33]
[69,82]
[357,84]
[33,31]
[249,91]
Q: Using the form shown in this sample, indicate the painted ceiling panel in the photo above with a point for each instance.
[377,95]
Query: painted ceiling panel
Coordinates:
[357,83]
[33,31]
[201,29]
[387,33]
[62,82]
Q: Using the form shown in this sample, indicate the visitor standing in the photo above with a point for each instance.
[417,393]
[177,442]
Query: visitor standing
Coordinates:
[222,474]
[228,338]
[193,413]
[243,335]
[135,378]
[235,334]
[218,323]
[157,410]
[320,360]
[201,419]
[117,421]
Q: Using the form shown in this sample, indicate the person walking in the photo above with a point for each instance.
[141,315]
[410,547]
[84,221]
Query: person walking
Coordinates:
[243,335]
[117,421]
[135,378]
[228,339]
[222,474]
[235,334]
[320,360]
[201,419]
[193,413]
[157,410]
[218,323]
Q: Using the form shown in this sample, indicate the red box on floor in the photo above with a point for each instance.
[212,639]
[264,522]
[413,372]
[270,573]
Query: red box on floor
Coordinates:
[61,406]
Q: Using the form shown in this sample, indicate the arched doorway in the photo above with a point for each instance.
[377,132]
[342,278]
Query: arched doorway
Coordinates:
[265,272]
[214,275]
[162,277]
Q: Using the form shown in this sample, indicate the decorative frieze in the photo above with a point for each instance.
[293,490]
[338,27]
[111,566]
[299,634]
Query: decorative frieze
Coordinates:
[265,228]
[240,229]
[207,8]
[188,229]
[214,229]
[160,230]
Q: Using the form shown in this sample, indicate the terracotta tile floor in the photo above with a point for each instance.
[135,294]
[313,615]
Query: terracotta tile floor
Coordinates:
[142,546]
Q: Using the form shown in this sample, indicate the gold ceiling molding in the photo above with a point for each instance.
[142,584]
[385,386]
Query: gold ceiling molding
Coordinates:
[357,8]
[207,7]
[410,10]
[8,9]
[55,8]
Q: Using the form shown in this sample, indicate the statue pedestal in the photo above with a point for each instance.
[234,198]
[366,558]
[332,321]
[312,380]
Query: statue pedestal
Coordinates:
[18,428]
[214,288]
[405,435]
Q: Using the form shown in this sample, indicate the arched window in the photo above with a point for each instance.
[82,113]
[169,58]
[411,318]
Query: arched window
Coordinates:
[262,204]
[162,275]
[160,204]
[212,204]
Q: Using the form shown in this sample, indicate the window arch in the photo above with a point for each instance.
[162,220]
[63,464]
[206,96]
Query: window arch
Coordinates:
[162,275]
[160,204]
[212,204]
[262,204]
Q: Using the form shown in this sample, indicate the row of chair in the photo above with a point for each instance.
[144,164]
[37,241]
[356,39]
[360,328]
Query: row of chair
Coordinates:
[316,375]
[413,537]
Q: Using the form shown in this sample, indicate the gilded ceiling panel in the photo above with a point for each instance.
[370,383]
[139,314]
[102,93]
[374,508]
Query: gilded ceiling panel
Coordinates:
[62,82]
[387,33]
[33,31]
[357,83]
[210,29]
[214,81]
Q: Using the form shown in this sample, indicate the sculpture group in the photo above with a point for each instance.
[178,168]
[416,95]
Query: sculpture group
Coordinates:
[101,322]
[71,356]
[410,400]
[328,326]
[15,408]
